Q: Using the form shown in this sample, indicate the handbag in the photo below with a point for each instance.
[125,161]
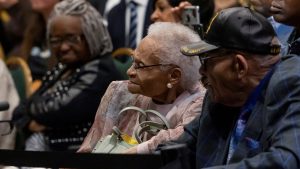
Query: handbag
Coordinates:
[118,142]
[114,143]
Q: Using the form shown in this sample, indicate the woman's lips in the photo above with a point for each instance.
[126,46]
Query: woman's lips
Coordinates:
[131,82]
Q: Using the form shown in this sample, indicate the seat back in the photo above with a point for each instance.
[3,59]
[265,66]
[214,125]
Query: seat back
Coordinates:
[21,75]
[122,60]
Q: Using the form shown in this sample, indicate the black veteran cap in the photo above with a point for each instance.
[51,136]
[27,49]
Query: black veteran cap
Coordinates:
[236,28]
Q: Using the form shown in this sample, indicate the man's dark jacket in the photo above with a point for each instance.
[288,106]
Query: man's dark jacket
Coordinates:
[271,138]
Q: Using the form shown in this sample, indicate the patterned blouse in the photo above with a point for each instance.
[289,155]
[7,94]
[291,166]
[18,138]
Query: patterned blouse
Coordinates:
[182,111]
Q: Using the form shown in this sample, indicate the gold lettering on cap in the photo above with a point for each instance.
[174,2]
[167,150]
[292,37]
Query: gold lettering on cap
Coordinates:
[275,49]
[192,51]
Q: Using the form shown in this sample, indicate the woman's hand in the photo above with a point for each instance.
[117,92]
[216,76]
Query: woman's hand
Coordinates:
[35,126]
[179,9]
[132,150]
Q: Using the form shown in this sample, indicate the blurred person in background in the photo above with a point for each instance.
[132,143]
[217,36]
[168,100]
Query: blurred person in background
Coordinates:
[59,114]
[288,12]
[99,5]
[4,18]
[283,31]
[13,18]
[128,21]
[163,10]
[34,47]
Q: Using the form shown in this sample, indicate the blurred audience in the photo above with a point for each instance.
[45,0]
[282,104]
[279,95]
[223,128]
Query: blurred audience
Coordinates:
[99,5]
[161,79]
[283,31]
[163,10]
[128,21]
[60,113]
[288,12]
[34,47]
[13,19]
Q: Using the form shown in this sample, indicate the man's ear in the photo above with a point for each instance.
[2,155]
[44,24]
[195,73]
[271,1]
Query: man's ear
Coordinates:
[241,65]
[175,76]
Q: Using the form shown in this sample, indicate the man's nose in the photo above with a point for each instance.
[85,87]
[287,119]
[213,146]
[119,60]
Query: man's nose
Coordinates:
[202,70]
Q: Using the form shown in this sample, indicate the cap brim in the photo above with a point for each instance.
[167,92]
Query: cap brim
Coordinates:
[197,48]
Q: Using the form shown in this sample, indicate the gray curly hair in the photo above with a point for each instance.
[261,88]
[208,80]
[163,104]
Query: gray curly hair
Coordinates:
[92,23]
[170,37]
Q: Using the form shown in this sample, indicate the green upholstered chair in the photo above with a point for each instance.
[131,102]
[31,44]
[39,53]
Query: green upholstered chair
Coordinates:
[21,75]
[125,62]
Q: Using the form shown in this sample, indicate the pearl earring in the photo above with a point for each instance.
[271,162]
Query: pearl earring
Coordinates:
[169,85]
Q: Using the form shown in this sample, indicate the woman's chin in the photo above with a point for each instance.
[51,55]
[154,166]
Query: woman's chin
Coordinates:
[133,88]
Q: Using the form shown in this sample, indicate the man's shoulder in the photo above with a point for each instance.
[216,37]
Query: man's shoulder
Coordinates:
[285,80]
[288,67]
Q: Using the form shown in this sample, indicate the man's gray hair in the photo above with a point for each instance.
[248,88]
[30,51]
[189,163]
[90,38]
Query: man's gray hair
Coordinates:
[169,38]
[92,23]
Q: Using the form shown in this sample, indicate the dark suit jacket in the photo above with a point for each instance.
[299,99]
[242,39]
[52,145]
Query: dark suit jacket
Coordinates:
[271,138]
[294,43]
[99,5]
[116,23]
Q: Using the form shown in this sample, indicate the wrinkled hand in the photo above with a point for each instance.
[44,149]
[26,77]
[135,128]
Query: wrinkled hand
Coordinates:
[132,150]
[84,149]
[35,126]
[179,9]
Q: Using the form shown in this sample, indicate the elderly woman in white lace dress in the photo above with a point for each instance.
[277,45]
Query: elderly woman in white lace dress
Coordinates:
[161,79]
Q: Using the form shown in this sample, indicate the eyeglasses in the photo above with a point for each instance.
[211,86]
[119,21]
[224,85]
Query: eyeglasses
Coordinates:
[136,66]
[6,127]
[70,39]
[140,65]
[206,57]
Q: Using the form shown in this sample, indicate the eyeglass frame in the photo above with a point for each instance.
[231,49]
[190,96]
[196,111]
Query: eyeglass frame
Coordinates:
[147,66]
[70,39]
[136,67]
[220,53]
[11,127]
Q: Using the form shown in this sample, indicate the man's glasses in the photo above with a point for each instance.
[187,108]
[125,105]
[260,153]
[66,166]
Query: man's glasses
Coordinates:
[70,39]
[203,59]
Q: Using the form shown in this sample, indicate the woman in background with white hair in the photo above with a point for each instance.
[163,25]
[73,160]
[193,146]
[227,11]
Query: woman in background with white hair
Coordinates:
[161,79]
[65,105]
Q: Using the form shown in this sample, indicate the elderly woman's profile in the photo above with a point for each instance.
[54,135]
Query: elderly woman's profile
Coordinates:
[161,79]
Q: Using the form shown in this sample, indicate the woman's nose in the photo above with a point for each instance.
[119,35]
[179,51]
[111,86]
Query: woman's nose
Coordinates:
[131,72]
[64,46]
[154,16]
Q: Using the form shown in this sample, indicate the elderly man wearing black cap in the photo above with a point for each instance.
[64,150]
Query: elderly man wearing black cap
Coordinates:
[251,115]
